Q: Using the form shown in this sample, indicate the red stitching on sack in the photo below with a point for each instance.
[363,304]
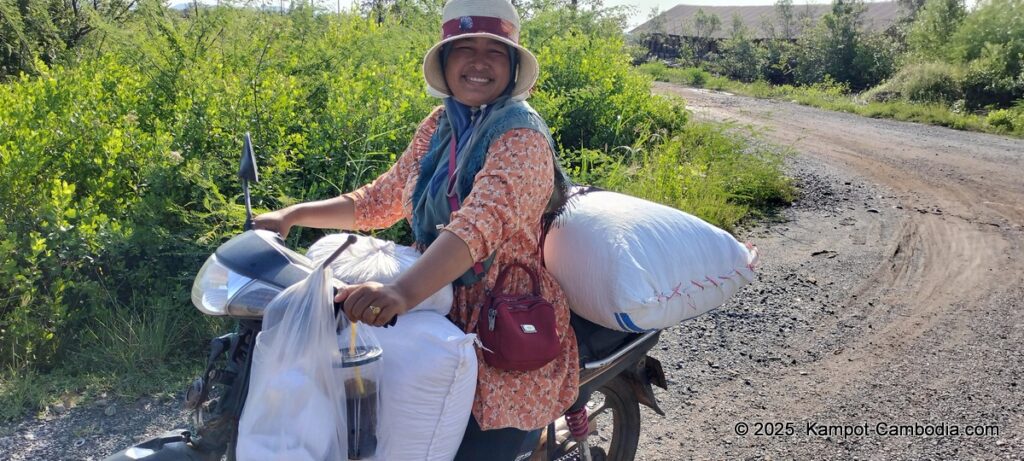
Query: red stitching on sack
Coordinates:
[678,290]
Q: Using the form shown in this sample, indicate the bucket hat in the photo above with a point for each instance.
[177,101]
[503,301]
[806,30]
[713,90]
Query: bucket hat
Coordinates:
[494,19]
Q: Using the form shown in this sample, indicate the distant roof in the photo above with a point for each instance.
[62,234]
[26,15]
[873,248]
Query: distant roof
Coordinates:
[679,19]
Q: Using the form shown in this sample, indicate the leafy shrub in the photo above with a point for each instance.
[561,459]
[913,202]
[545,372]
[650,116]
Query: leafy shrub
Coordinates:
[707,171]
[838,47]
[1002,119]
[742,59]
[924,82]
[930,33]
[591,97]
[137,151]
[993,22]
[691,76]
[656,69]
[1009,121]
[987,81]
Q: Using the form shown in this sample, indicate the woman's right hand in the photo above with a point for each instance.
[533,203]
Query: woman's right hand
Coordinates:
[278,221]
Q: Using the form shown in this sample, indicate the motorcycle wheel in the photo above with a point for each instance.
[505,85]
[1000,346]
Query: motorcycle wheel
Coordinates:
[614,415]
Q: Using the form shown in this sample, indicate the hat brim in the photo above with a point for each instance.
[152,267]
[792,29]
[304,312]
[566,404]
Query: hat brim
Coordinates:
[529,69]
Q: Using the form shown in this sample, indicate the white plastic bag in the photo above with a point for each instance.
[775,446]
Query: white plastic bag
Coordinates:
[294,410]
[430,365]
[430,371]
[375,260]
[633,265]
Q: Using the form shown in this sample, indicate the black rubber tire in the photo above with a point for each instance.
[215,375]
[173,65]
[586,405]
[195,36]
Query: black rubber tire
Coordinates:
[621,400]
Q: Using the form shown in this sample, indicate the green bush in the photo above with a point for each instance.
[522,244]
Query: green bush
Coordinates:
[987,81]
[1009,121]
[993,22]
[591,97]
[741,58]
[690,76]
[930,33]
[837,47]
[923,82]
[137,151]
[1001,119]
[708,171]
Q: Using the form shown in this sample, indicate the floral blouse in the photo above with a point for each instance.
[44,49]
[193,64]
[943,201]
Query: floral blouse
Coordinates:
[503,213]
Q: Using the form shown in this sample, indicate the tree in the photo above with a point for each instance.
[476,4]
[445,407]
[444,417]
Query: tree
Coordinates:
[787,21]
[910,8]
[27,33]
[704,26]
[990,42]
[741,58]
[42,29]
[930,33]
[838,48]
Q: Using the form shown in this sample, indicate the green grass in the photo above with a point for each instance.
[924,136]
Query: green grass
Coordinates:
[25,391]
[146,348]
[836,97]
[710,170]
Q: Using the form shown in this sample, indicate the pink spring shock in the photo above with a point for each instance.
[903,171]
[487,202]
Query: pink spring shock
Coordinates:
[578,423]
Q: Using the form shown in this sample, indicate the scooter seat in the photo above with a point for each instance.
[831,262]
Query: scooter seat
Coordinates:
[596,342]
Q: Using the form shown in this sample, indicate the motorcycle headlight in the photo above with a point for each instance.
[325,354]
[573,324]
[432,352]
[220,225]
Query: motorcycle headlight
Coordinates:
[220,291]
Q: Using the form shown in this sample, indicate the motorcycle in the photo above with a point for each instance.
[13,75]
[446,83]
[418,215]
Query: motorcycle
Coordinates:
[245,273]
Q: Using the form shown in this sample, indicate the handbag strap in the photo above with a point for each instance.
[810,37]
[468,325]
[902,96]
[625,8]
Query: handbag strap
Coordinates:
[499,285]
[453,196]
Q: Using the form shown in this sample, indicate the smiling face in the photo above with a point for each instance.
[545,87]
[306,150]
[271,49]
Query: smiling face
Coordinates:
[477,70]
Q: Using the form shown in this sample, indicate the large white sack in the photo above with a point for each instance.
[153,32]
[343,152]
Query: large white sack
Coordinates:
[429,380]
[633,265]
[374,260]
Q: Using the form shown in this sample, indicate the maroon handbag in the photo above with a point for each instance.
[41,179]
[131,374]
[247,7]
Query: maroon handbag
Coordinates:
[518,331]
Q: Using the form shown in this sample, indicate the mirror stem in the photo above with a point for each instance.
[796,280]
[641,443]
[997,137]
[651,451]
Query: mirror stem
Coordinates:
[249,222]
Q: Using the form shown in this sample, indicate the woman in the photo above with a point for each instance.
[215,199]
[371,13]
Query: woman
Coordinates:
[505,182]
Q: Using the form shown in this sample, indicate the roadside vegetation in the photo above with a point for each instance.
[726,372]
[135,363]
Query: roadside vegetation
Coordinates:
[119,150]
[941,64]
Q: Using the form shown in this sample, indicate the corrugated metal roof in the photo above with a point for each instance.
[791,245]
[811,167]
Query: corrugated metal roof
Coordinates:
[678,20]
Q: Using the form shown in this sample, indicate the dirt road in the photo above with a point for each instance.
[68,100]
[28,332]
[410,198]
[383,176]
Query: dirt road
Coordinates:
[886,322]
[891,295]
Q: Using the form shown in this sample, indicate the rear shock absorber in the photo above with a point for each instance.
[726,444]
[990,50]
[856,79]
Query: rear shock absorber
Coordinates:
[579,426]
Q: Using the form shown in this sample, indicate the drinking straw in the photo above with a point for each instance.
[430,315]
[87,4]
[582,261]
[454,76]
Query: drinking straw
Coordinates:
[360,387]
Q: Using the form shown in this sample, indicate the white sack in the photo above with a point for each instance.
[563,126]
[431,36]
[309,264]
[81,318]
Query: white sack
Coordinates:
[375,260]
[295,408]
[429,375]
[633,265]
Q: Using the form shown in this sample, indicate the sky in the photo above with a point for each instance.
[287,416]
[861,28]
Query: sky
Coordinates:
[643,7]
[641,12]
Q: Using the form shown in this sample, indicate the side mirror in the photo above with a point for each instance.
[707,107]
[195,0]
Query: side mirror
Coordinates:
[247,172]
[247,167]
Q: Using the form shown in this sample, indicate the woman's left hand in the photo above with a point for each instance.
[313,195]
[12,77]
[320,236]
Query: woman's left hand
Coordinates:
[372,303]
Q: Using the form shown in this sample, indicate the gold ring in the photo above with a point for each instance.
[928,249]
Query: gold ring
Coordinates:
[375,310]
